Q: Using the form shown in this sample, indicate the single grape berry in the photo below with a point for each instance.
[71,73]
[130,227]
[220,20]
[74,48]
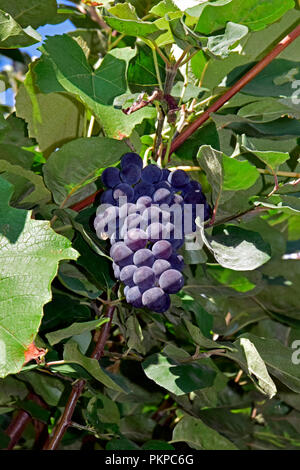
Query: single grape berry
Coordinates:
[111,177]
[176,262]
[155,231]
[151,174]
[131,158]
[123,190]
[162,249]
[171,281]
[131,174]
[107,197]
[121,254]
[178,178]
[134,296]
[162,196]
[126,274]
[144,278]
[156,299]
[143,189]
[143,257]
[160,265]
[136,239]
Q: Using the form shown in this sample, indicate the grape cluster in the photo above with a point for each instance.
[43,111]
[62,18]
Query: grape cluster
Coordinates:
[144,213]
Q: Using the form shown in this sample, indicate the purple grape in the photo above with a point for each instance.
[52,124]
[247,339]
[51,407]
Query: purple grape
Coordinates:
[143,202]
[151,174]
[121,254]
[134,296]
[126,274]
[160,265]
[155,231]
[131,158]
[123,190]
[143,257]
[176,262]
[171,281]
[178,178]
[156,299]
[162,196]
[132,221]
[144,278]
[151,215]
[165,174]
[111,177]
[162,249]
[131,174]
[194,197]
[126,288]
[107,197]
[163,184]
[143,189]
[127,209]
[136,239]
[192,186]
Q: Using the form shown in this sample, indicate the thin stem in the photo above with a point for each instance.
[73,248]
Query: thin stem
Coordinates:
[161,54]
[91,125]
[116,42]
[157,69]
[66,418]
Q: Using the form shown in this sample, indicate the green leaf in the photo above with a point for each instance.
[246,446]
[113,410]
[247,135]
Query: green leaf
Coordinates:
[225,173]
[97,89]
[238,174]
[125,11]
[39,194]
[238,249]
[53,119]
[29,251]
[72,355]
[178,378]
[288,204]
[221,45]
[230,278]
[272,159]
[49,388]
[199,436]
[75,280]
[130,27]
[32,13]
[278,359]
[68,170]
[13,36]
[74,329]
[257,367]
[141,71]
[252,13]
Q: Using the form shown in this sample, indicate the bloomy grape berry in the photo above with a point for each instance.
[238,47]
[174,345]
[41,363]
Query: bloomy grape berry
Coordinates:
[148,215]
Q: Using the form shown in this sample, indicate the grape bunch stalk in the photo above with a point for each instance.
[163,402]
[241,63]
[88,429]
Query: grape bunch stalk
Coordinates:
[146,213]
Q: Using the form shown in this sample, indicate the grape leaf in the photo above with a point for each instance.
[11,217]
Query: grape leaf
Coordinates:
[53,119]
[13,36]
[238,249]
[69,171]
[199,436]
[32,13]
[73,330]
[29,252]
[252,13]
[97,89]
[178,378]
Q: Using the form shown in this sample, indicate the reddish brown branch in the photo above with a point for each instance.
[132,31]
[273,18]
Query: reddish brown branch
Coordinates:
[21,420]
[235,88]
[78,387]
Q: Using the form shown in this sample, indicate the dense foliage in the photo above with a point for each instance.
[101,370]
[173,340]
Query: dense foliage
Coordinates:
[219,368]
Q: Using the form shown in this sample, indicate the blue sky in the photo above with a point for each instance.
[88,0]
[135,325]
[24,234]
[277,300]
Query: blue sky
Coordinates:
[47,30]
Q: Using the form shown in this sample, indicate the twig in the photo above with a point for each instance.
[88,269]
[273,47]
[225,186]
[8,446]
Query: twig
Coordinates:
[236,88]
[66,418]
[21,420]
